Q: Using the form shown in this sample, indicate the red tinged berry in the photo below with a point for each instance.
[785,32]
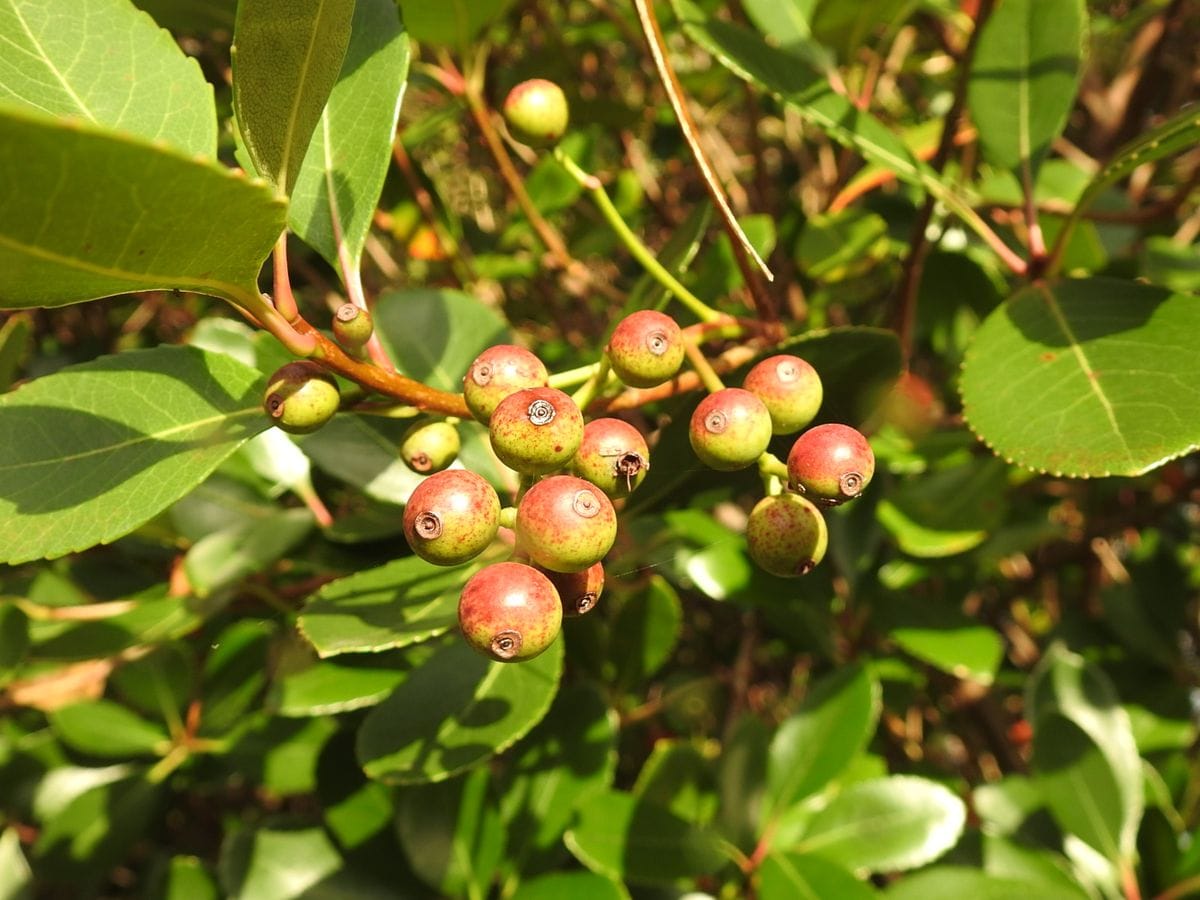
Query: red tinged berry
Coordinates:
[646,349]
[536,431]
[613,456]
[451,517]
[428,447]
[497,372]
[789,388]
[509,611]
[301,397]
[786,535]
[565,524]
[730,429]
[830,464]
[579,591]
[537,111]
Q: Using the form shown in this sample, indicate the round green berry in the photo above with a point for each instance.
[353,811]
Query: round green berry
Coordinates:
[537,111]
[536,430]
[497,372]
[730,429]
[786,535]
[830,464]
[509,611]
[790,389]
[613,456]
[579,591]
[301,397]
[451,517]
[646,348]
[428,447]
[565,524]
[352,327]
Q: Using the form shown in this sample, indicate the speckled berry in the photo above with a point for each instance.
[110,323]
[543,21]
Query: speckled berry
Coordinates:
[451,517]
[565,524]
[428,447]
[536,431]
[646,348]
[786,535]
[509,611]
[301,397]
[352,326]
[497,372]
[789,388]
[537,111]
[613,456]
[830,464]
[579,591]
[730,429]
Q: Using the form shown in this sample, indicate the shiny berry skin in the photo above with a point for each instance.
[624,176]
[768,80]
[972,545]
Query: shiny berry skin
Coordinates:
[536,430]
[509,611]
[646,348]
[613,456]
[579,591]
[451,517]
[565,524]
[497,372]
[789,388]
[830,464]
[786,535]
[352,326]
[429,447]
[537,112]
[301,397]
[730,429]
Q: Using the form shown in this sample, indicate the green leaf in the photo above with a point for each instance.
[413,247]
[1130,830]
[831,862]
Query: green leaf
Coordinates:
[886,824]
[16,878]
[343,170]
[625,838]
[185,878]
[646,629]
[153,618]
[453,23]
[91,452]
[107,64]
[741,781]
[330,687]
[841,245]
[1024,78]
[941,635]
[226,557]
[15,342]
[287,55]
[361,450]
[235,671]
[105,728]
[957,882]
[454,712]
[197,16]
[276,864]
[680,776]
[1087,378]
[404,602]
[790,876]
[576,885]
[811,747]
[279,755]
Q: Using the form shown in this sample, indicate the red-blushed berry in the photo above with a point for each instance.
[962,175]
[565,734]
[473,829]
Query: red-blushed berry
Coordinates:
[352,327]
[646,348]
[913,406]
[451,517]
[579,591]
[830,464]
[509,611]
[565,524]
[613,456]
[730,429]
[301,397]
[537,112]
[786,535]
[497,372]
[789,388]
[536,430]
[428,447]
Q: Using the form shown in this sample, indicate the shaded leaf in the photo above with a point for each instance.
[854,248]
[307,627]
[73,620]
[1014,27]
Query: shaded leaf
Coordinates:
[450,22]
[957,882]
[790,876]
[105,728]
[576,885]
[646,629]
[328,687]
[941,635]
[276,864]
[680,777]
[226,557]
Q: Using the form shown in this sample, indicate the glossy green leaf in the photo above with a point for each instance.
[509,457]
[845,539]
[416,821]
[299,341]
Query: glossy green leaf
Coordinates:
[105,728]
[1024,78]
[186,878]
[328,687]
[680,776]
[287,55]
[1046,871]
[941,635]
[404,602]
[226,557]
[16,878]
[455,711]
[108,64]
[790,876]
[279,755]
[885,825]
[453,23]
[1087,378]
[276,863]
[89,213]
[787,22]
[91,452]
[958,882]
[812,746]
[576,885]
[646,630]
[338,186]
[628,839]
[361,451]
[948,511]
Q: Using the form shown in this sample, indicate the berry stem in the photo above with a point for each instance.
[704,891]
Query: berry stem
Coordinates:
[774,473]
[573,377]
[632,242]
[708,375]
[508,517]
[587,393]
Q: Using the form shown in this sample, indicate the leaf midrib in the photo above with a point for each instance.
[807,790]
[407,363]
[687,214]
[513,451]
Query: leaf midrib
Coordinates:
[41,52]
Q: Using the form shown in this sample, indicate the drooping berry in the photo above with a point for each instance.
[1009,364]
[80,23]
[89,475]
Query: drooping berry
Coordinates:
[536,430]
[579,591]
[565,524]
[830,464]
[786,535]
[497,372]
[789,388]
[613,456]
[537,112]
[730,429]
[352,327]
[509,611]
[301,397]
[428,447]
[646,348]
[451,517]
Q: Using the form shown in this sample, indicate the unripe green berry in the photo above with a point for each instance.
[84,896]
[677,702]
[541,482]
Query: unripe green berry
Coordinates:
[646,348]
[301,397]
[428,447]
[565,524]
[730,429]
[613,456]
[789,388]
[352,327]
[497,372]
[786,535]
[536,430]
[451,517]
[509,611]
[537,112]
[579,591]
[830,464]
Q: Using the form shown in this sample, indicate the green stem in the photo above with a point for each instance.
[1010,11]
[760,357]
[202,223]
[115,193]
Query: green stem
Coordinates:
[508,517]
[708,375]
[572,377]
[774,474]
[632,242]
[164,767]
[585,395]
